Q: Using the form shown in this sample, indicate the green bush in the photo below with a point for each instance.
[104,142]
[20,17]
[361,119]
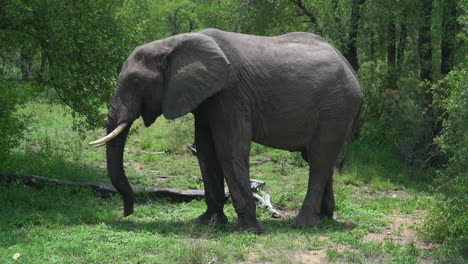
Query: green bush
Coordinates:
[393,116]
[447,219]
[12,124]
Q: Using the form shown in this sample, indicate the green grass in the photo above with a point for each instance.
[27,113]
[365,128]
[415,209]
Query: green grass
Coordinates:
[60,225]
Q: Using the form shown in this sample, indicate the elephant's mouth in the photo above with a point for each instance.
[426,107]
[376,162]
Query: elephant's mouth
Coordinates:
[148,120]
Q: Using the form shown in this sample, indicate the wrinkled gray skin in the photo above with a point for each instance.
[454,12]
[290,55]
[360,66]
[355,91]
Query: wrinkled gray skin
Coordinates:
[293,92]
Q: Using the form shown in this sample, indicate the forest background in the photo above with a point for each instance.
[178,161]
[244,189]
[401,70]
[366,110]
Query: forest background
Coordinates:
[410,56]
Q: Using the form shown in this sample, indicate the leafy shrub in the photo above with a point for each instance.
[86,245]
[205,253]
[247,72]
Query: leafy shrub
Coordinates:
[447,219]
[12,124]
[394,116]
[371,76]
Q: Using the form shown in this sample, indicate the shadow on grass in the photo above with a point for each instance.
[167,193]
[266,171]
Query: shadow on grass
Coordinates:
[286,226]
[26,209]
[194,230]
[51,165]
[49,209]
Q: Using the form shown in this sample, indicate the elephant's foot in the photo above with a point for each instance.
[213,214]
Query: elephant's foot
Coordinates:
[309,220]
[326,214]
[243,224]
[209,218]
[327,206]
[128,206]
[327,209]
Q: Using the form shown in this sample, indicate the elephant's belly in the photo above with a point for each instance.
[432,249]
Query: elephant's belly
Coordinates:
[291,134]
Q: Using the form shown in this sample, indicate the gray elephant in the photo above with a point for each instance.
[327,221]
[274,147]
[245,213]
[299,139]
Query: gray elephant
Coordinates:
[293,92]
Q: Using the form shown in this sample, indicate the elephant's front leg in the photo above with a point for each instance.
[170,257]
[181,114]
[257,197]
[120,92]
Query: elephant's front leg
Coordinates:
[233,148]
[213,179]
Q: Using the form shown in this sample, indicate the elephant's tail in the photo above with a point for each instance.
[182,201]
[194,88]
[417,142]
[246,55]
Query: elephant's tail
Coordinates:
[354,131]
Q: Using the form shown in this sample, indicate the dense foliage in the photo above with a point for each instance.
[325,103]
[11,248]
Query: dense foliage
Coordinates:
[13,124]
[72,51]
[80,46]
[447,217]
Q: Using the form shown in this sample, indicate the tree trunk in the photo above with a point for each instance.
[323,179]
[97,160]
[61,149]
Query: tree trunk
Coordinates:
[175,21]
[339,34]
[431,117]
[424,40]
[391,56]
[401,45]
[351,53]
[372,45]
[449,33]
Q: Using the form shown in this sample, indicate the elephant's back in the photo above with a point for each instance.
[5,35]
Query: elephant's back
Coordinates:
[298,37]
[291,81]
[293,44]
[290,53]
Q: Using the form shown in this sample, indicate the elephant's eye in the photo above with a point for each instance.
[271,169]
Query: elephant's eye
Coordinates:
[135,82]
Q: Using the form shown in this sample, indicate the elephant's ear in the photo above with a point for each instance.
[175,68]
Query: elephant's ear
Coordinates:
[196,69]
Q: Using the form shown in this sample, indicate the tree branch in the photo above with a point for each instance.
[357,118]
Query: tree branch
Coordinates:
[305,11]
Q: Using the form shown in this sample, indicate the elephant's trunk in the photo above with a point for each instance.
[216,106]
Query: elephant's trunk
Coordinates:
[115,151]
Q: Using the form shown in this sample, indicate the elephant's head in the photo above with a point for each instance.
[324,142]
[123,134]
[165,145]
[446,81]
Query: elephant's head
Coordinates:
[170,77]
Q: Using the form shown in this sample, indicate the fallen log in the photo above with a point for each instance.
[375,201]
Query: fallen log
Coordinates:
[265,202]
[259,162]
[102,189]
[106,189]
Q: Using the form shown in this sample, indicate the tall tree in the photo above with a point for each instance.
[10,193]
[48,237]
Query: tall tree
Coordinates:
[425,40]
[431,116]
[449,33]
[401,44]
[396,40]
[351,52]
[391,53]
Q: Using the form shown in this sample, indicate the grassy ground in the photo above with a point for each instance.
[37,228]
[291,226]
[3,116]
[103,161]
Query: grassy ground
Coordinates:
[380,204]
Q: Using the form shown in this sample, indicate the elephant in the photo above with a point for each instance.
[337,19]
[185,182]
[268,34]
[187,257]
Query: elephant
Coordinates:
[293,92]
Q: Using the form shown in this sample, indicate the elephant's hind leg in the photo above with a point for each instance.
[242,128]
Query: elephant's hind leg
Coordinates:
[322,154]
[328,200]
[212,174]
[309,215]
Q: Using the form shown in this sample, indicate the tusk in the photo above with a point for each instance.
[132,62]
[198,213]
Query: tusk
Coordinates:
[101,142]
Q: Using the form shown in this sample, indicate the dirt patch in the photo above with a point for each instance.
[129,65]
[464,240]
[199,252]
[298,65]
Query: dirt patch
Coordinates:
[101,166]
[317,256]
[312,257]
[359,190]
[390,193]
[288,214]
[402,230]
[303,256]
[323,238]
[136,165]
[252,255]
[395,193]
